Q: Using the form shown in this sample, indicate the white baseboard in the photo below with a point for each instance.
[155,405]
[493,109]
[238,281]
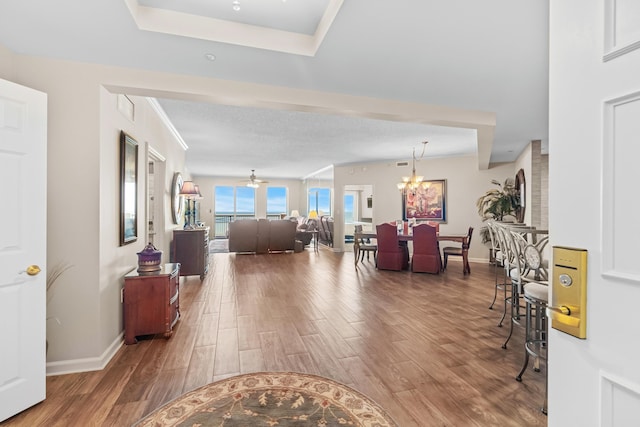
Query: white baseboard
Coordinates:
[471,260]
[87,364]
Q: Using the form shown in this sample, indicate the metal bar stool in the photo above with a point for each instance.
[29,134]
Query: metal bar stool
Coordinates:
[536,297]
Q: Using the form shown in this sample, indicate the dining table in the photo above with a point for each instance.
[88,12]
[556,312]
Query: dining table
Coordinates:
[461,238]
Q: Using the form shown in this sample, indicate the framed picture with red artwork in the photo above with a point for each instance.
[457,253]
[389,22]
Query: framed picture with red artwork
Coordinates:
[427,202]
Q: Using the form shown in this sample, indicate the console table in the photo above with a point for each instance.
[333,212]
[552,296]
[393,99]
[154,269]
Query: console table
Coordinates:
[191,249]
[151,302]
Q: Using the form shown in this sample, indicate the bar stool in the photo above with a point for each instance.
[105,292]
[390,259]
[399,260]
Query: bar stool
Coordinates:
[497,257]
[536,297]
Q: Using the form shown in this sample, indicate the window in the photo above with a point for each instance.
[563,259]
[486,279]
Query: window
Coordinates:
[224,201]
[245,201]
[276,201]
[320,200]
[349,208]
[232,203]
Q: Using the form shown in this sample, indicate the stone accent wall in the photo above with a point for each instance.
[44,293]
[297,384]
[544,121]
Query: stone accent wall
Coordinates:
[539,186]
[544,191]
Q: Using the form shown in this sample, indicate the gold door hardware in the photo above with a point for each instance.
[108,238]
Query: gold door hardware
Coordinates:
[562,315]
[33,270]
[569,291]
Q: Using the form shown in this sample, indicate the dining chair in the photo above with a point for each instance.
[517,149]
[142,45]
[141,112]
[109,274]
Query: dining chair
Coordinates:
[364,245]
[426,250]
[455,250]
[434,224]
[391,254]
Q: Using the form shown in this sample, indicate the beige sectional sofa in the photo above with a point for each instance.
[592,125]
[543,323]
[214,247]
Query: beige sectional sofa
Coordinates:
[262,236]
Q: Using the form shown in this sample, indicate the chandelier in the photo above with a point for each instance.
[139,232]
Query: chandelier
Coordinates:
[413,182]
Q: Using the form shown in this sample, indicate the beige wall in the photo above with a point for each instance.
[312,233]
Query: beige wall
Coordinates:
[83,205]
[7,61]
[465,183]
[116,261]
[83,181]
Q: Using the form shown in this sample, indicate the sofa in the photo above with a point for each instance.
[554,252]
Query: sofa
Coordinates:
[262,236]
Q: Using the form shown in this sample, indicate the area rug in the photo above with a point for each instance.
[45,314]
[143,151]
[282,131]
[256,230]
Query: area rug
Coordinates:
[217,246]
[271,399]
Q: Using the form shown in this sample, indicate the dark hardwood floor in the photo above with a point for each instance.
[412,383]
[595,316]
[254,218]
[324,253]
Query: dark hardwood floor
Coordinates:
[424,347]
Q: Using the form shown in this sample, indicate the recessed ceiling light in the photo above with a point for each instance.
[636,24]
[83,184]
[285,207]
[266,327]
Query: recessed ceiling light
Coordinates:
[210,56]
[236,5]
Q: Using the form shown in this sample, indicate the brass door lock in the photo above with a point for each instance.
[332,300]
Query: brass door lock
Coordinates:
[569,291]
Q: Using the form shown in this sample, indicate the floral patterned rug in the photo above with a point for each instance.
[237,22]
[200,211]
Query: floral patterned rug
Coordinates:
[271,399]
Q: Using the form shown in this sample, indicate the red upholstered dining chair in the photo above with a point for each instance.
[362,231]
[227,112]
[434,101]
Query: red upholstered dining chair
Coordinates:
[426,251]
[391,254]
[434,224]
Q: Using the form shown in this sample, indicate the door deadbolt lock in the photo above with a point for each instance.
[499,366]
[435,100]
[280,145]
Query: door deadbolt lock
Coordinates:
[565,280]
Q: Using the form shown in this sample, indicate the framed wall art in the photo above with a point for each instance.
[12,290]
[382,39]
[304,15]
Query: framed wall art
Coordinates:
[128,189]
[428,202]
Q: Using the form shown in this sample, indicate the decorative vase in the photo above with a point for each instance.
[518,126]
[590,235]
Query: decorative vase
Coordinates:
[149,259]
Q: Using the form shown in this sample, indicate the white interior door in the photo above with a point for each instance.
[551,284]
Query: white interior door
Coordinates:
[594,147]
[23,241]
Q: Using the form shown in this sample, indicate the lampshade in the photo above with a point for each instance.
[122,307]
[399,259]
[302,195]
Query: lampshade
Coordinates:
[313,214]
[189,190]
[199,195]
[294,214]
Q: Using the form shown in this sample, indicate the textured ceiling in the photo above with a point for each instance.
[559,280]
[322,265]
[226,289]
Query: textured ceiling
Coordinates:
[299,143]
[489,56]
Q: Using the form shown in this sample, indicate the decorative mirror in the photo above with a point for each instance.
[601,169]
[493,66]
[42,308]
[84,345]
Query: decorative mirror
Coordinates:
[177,205]
[128,189]
[521,187]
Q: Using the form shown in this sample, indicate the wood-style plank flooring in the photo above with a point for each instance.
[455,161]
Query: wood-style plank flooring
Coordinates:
[424,347]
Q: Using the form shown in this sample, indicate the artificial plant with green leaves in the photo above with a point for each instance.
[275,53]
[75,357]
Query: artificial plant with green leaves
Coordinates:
[498,203]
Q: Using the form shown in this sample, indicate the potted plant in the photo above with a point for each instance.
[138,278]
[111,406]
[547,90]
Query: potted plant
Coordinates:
[498,203]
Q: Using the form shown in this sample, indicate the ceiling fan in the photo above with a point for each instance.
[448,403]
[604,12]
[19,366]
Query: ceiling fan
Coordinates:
[254,182]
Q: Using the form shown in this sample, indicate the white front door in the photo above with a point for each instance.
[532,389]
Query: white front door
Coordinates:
[23,242]
[594,189]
